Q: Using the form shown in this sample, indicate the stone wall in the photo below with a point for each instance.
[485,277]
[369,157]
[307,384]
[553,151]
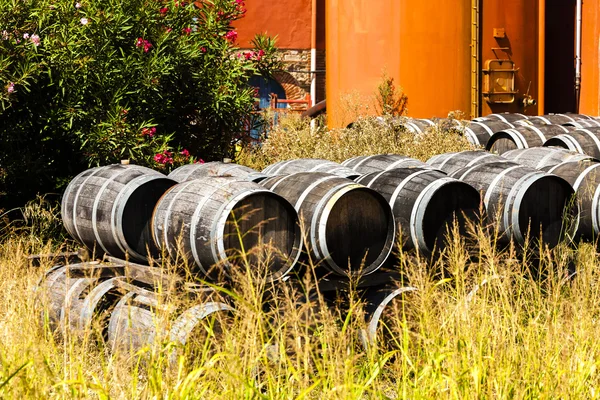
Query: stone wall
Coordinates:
[295,77]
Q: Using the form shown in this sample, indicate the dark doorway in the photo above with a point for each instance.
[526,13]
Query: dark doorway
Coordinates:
[560,56]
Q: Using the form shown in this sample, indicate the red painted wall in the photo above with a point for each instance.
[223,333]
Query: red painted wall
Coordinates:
[290,20]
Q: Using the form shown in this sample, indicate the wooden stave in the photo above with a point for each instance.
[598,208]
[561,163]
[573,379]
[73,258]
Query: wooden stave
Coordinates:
[380,162]
[504,199]
[214,168]
[409,190]
[544,158]
[584,141]
[504,117]
[231,189]
[451,162]
[104,193]
[583,123]
[309,165]
[310,203]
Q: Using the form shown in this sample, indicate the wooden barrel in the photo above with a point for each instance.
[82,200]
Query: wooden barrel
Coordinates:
[523,137]
[215,168]
[584,177]
[504,117]
[418,126]
[309,165]
[451,162]
[98,304]
[555,119]
[518,198]
[380,162]
[211,214]
[133,323]
[53,289]
[425,203]
[584,141]
[385,310]
[139,318]
[544,158]
[200,324]
[109,209]
[339,237]
[583,123]
[479,133]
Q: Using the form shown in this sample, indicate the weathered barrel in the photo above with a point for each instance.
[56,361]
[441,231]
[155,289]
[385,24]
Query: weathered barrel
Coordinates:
[99,302]
[555,119]
[215,168]
[544,158]
[504,117]
[584,141]
[349,228]
[523,137]
[109,209]
[425,203]
[480,132]
[584,177]
[418,126]
[583,123]
[451,162]
[133,322]
[380,162]
[522,201]
[309,165]
[385,311]
[139,318]
[218,218]
[53,289]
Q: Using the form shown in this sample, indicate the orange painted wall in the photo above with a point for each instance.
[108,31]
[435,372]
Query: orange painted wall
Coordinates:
[290,20]
[423,45]
[435,56]
[519,18]
[362,43]
[590,59]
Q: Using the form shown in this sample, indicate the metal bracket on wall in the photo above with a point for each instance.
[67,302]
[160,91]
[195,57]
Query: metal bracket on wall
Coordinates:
[499,81]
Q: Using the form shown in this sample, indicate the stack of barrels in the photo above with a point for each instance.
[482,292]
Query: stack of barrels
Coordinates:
[217,220]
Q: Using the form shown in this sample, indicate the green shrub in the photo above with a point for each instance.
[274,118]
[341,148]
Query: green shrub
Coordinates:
[93,82]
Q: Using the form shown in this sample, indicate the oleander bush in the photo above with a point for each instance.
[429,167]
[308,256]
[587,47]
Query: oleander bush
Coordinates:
[159,82]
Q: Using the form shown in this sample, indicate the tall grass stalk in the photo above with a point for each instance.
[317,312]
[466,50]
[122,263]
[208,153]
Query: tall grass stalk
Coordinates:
[481,324]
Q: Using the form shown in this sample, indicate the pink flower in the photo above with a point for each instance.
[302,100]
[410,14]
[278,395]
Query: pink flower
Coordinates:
[26,36]
[78,5]
[149,132]
[187,30]
[203,49]
[169,30]
[10,88]
[248,55]
[261,53]
[164,158]
[231,36]
[84,21]
[143,42]
[35,39]
[185,153]
[164,10]
[199,161]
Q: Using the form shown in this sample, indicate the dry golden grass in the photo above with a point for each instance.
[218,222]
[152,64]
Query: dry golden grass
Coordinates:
[294,138]
[494,325]
[483,323]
